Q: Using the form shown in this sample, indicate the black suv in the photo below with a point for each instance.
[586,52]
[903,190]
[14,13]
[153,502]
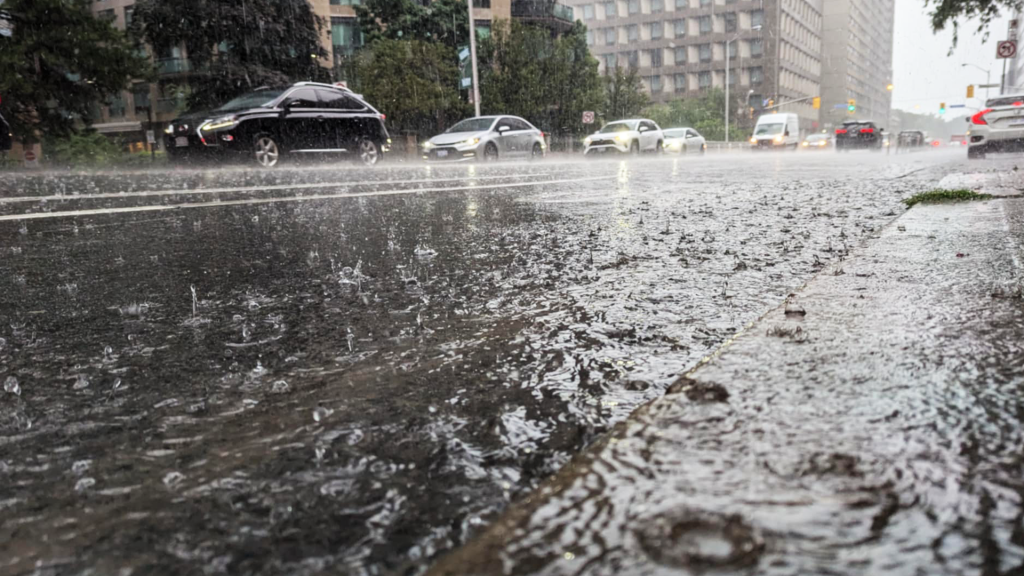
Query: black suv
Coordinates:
[303,119]
[859,134]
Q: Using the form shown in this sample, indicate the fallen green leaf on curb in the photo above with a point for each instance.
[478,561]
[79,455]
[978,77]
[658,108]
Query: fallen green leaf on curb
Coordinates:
[939,196]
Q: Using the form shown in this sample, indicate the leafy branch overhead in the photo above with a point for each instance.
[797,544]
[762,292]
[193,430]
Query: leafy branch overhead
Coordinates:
[949,12]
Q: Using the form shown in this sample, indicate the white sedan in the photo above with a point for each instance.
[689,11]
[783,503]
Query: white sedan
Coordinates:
[684,141]
[997,128]
[625,137]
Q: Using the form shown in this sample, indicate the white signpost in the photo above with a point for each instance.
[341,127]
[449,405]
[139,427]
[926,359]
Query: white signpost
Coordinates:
[588,117]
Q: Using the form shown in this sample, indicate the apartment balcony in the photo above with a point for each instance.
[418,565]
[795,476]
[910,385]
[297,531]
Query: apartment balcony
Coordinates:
[547,13]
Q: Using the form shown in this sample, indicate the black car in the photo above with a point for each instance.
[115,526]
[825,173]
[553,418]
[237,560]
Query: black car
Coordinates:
[303,119]
[859,135]
[6,138]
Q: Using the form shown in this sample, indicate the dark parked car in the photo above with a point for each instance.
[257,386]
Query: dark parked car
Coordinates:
[859,135]
[909,139]
[303,119]
[6,139]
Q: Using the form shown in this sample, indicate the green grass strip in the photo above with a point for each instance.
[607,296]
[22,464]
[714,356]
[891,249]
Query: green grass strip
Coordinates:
[940,196]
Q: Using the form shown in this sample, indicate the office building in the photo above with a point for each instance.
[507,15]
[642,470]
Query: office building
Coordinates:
[679,48]
[857,57]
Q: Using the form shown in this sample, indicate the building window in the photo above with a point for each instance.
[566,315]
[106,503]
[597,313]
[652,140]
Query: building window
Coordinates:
[704,80]
[657,30]
[116,106]
[757,18]
[610,36]
[706,26]
[107,15]
[756,75]
[633,58]
[682,4]
[733,49]
[679,27]
[655,84]
[730,21]
[756,48]
[633,32]
[483,29]
[481,3]
[611,61]
[128,16]
[590,37]
[634,6]
[140,99]
[706,3]
[657,58]
[588,12]
[345,37]
[680,55]
[704,51]
[609,10]
[732,77]
[680,81]
[348,2]
[657,6]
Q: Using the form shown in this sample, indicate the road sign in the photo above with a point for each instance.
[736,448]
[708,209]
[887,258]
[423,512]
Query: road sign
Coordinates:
[150,137]
[1006,49]
[588,117]
[31,161]
[958,106]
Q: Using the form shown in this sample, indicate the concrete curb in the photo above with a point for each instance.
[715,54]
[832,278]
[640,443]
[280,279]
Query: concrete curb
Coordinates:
[817,440]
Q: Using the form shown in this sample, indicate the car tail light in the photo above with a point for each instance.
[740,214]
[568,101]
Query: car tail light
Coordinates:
[383,116]
[979,118]
[963,143]
[840,131]
[542,136]
[867,130]
[1018,103]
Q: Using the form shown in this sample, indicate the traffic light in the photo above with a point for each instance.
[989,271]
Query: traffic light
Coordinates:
[942,108]
[970,91]
[816,102]
[851,105]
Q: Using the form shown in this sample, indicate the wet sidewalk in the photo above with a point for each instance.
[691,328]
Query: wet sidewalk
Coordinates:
[872,425]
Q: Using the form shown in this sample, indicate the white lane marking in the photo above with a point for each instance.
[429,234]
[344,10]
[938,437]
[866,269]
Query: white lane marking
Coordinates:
[157,208]
[144,193]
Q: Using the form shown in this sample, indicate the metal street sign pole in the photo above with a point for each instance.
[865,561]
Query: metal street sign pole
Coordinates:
[472,57]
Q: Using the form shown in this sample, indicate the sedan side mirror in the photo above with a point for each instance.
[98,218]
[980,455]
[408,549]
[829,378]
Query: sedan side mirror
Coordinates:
[504,129]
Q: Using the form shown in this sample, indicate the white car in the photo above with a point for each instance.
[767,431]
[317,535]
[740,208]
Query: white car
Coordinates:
[684,141]
[487,138]
[997,128]
[625,137]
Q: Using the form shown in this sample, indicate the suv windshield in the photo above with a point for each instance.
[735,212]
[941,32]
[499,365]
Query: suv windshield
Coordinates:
[473,125]
[252,100]
[618,127]
[768,129]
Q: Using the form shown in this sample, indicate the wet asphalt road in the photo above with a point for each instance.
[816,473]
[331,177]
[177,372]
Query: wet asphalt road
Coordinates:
[335,370]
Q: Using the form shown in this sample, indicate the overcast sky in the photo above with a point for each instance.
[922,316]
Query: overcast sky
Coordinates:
[925,75]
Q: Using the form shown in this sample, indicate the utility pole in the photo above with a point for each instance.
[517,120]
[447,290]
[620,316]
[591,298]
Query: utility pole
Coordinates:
[472,57]
[727,61]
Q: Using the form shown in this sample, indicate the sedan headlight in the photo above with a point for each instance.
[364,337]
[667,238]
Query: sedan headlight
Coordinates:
[221,123]
[753,140]
[428,145]
[806,144]
[169,129]
[674,144]
[471,142]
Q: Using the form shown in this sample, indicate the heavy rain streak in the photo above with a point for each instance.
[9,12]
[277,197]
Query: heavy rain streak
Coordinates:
[503,287]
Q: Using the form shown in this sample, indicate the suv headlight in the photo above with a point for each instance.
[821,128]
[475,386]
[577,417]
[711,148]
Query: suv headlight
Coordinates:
[221,123]
[587,141]
[622,137]
[169,129]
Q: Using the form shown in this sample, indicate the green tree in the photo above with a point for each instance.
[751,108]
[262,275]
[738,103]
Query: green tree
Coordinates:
[946,12]
[550,82]
[57,62]
[236,45]
[705,114]
[414,82]
[441,21]
[624,94]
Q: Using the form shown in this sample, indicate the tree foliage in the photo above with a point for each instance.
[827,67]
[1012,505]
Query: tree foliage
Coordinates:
[948,12]
[236,45]
[624,94]
[415,82]
[59,60]
[705,114]
[442,21]
[550,82]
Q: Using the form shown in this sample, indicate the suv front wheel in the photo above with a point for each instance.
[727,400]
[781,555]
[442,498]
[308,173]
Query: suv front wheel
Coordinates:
[369,153]
[267,152]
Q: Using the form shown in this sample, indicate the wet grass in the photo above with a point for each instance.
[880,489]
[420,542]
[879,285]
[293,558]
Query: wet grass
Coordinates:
[942,196]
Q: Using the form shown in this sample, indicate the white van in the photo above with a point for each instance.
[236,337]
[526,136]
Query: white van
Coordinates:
[776,132]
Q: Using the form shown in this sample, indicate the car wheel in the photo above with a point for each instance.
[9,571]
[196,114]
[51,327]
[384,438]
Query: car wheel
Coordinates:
[660,149]
[267,152]
[703,149]
[369,153]
[537,152]
[634,148]
[490,153]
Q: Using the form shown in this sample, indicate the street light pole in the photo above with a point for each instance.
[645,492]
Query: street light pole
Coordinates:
[472,58]
[988,77]
[727,62]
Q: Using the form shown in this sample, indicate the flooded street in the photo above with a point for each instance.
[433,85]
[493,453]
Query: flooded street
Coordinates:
[336,370]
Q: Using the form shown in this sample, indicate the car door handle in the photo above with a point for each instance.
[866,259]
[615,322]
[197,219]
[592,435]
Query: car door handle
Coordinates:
[320,118]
